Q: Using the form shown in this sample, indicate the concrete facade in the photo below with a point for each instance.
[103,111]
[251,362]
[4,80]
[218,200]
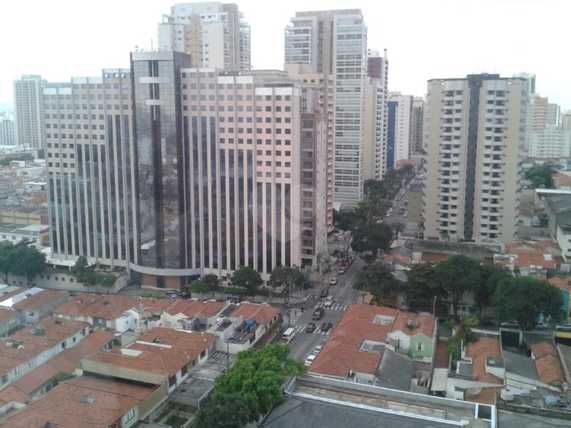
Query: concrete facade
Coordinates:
[29,111]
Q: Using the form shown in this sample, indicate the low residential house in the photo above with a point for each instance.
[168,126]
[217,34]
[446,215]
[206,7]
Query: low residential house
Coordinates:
[365,347]
[192,314]
[37,303]
[414,335]
[530,258]
[161,356]
[480,372]
[63,366]
[9,321]
[86,401]
[115,312]
[241,326]
[31,347]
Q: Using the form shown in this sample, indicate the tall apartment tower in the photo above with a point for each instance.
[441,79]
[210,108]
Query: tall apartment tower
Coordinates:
[376,117]
[399,128]
[174,171]
[214,34]
[7,131]
[416,125]
[28,110]
[474,132]
[334,43]
[566,120]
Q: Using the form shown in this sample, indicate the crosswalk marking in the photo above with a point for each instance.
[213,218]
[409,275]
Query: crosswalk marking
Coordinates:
[334,307]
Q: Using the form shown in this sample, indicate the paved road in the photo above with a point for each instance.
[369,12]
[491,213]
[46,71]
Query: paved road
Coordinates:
[343,295]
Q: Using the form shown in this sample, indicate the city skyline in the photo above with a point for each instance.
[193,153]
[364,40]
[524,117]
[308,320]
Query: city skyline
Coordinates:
[479,51]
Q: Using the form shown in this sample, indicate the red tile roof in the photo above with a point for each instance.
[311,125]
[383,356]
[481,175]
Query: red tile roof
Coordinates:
[192,307]
[547,363]
[423,323]
[11,394]
[479,351]
[563,283]
[39,300]
[342,351]
[162,351]
[78,403]
[262,313]
[7,314]
[544,254]
[107,307]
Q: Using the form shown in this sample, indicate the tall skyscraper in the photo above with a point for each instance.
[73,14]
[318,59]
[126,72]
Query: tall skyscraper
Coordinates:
[399,128]
[566,120]
[416,126]
[28,110]
[550,143]
[7,131]
[174,171]
[214,34]
[334,43]
[376,117]
[474,132]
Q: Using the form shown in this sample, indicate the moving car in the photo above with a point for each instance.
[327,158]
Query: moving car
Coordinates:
[328,302]
[333,281]
[310,327]
[288,335]
[340,271]
[326,326]
[324,292]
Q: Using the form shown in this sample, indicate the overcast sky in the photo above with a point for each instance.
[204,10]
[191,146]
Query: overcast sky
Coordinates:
[425,38]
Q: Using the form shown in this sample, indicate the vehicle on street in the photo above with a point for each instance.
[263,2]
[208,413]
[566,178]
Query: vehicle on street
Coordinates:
[309,360]
[328,302]
[317,314]
[317,349]
[310,327]
[333,281]
[324,292]
[288,335]
[340,271]
[326,326]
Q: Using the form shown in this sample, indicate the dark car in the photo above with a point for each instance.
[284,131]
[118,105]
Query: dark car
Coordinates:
[310,327]
[324,292]
[318,314]
[326,326]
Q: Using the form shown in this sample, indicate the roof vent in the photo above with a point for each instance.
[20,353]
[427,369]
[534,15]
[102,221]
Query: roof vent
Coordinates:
[411,324]
[157,340]
[57,321]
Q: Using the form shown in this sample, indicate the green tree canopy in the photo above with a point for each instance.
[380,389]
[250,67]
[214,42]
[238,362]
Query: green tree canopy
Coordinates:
[250,389]
[423,287]
[541,176]
[291,278]
[372,238]
[22,259]
[379,281]
[247,278]
[524,299]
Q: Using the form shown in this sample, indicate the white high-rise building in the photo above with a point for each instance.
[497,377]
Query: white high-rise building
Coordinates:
[399,124]
[214,34]
[29,111]
[376,117]
[550,143]
[474,133]
[335,42]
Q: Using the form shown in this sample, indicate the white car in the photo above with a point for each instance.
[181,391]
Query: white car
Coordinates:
[309,360]
[333,281]
[317,349]
[328,302]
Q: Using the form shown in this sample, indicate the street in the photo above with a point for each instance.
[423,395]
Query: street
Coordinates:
[343,295]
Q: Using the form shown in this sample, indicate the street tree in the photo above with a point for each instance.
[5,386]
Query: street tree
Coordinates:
[250,389]
[26,260]
[288,278]
[423,287]
[379,281]
[541,176]
[6,250]
[525,299]
[247,278]
[372,238]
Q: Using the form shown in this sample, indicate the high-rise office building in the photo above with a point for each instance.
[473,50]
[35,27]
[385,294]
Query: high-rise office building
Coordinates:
[553,115]
[474,132]
[214,34]
[551,142]
[334,43]
[399,128]
[566,120]
[416,125]
[375,117]
[174,171]
[7,130]
[28,110]
[542,113]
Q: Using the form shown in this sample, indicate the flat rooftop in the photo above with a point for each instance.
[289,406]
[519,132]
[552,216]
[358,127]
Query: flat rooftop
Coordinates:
[316,401]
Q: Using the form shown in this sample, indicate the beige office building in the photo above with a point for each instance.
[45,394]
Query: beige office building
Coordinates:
[474,133]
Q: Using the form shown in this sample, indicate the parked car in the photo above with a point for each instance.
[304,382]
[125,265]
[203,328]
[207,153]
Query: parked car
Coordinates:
[317,314]
[310,327]
[317,349]
[333,281]
[340,271]
[328,302]
[309,360]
